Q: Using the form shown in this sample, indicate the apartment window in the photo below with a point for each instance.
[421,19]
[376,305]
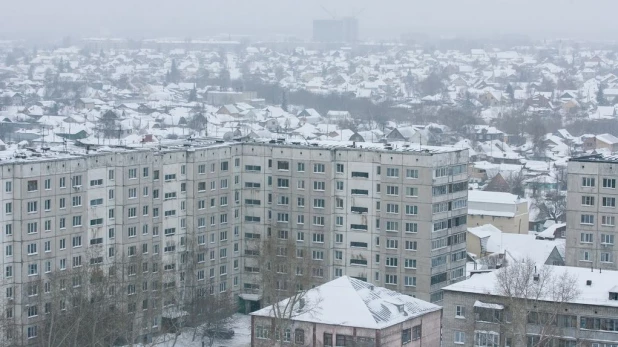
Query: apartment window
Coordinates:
[392,243]
[411,191]
[283,183]
[607,239]
[588,182]
[608,183]
[77,241]
[32,227]
[390,279]
[339,221]
[392,208]
[32,206]
[360,174]
[339,185]
[318,237]
[392,172]
[587,200]
[609,202]
[33,185]
[319,185]
[411,210]
[33,269]
[319,203]
[132,173]
[283,165]
[317,220]
[392,190]
[488,339]
[32,331]
[607,257]
[411,173]
[319,168]
[339,168]
[283,217]
[411,227]
[587,219]
[460,337]
[410,245]
[8,187]
[300,167]
[410,264]
[317,255]
[409,281]
[608,220]
[391,261]
[585,256]
[77,201]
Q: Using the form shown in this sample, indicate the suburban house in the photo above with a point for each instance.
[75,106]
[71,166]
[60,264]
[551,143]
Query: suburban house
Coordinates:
[505,211]
[487,240]
[477,314]
[607,141]
[350,312]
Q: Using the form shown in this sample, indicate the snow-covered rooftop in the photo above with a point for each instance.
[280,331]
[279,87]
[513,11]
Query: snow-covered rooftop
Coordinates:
[596,294]
[350,302]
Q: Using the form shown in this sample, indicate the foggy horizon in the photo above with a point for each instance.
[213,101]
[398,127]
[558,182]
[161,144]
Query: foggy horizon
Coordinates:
[389,19]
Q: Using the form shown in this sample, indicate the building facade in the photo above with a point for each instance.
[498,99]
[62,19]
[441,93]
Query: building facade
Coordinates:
[475,314]
[350,312]
[505,211]
[395,218]
[591,212]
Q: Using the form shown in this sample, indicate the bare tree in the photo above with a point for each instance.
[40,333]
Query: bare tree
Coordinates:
[551,205]
[535,298]
[516,183]
[287,273]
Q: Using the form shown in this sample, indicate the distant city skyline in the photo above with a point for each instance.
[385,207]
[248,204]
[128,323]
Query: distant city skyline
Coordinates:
[38,19]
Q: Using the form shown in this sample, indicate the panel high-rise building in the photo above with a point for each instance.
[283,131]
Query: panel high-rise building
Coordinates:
[395,217]
[591,212]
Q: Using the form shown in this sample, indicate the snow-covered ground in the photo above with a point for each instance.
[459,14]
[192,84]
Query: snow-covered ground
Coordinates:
[242,336]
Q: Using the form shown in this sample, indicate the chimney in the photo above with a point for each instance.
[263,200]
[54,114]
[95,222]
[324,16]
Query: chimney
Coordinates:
[371,287]
[302,303]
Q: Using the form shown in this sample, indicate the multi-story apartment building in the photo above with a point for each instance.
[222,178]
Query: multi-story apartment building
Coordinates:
[394,217]
[477,313]
[591,212]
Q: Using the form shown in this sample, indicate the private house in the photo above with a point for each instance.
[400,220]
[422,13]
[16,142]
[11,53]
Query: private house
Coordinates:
[505,211]
[487,240]
[607,141]
[350,312]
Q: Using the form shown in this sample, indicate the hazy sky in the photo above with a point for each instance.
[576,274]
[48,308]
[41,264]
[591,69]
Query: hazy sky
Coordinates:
[379,18]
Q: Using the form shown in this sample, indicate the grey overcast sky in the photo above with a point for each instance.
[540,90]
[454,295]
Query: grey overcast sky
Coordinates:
[379,19]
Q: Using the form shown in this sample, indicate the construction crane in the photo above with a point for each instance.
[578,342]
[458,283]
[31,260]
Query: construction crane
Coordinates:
[329,12]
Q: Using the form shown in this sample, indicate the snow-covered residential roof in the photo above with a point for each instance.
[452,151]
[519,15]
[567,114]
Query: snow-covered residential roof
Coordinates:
[596,294]
[493,203]
[350,302]
[608,138]
[484,231]
[550,231]
[493,197]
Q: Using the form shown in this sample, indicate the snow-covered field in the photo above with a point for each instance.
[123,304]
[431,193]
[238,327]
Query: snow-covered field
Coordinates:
[242,336]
